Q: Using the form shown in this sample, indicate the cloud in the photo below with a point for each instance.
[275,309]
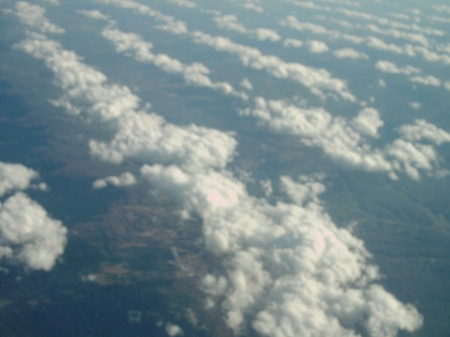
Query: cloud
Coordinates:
[15,177]
[33,16]
[173,330]
[426,80]
[292,22]
[379,44]
[317,47]
[317,80]
[285,265]
[415,105]
[93,14]
[387,22]
[310,5]
[286,269]
[263,34]
[246,84]
[28,235]
[423,130]
[350,53]
[231,22]
[346,141]
[184,3]
[194,74]
[392,68]
[292,43]
[53,2]
[442,8]
[125,179]
[135,132]
[381,83]
[169,23]
[253,7]
[368,122]
[412,37]
[374,42]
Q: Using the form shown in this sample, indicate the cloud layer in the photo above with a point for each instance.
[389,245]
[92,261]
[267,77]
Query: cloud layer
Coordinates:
[286,268]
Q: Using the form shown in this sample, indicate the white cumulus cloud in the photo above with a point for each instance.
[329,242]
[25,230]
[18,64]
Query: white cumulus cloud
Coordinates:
[194,74]
[173,330]
[28,236]
[33,16]
[287,265]
[136,133]
[346,141]
[292,43]
[317,47]
[125,179]
[14,177]
[392,68]
[350,53]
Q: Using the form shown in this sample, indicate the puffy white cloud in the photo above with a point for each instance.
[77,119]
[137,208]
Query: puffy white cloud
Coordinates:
[317,47]
[317,80]
[381,83]
[288,269]
[93,14]
[194,74]
[14,177]
[415,105]
[434,18]
[33,16]
[310,5]
[184,3]
[387,22]
[253,7]
[147,138]
[391,32]
[432,56]
[345,141]
[263,34]
[401,16]
[442,8]
[292,43]
[368,122]
[350,53]
[173,330]
[424,130]
[392,68]
[426,80]
[28,235]
[231,22]
[136,133]
[266,186]
[168,22]
[292,22]
[245,83]
[125,179]
[379,44]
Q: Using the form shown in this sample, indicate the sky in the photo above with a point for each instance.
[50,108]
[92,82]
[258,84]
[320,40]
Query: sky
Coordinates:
[198,101]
